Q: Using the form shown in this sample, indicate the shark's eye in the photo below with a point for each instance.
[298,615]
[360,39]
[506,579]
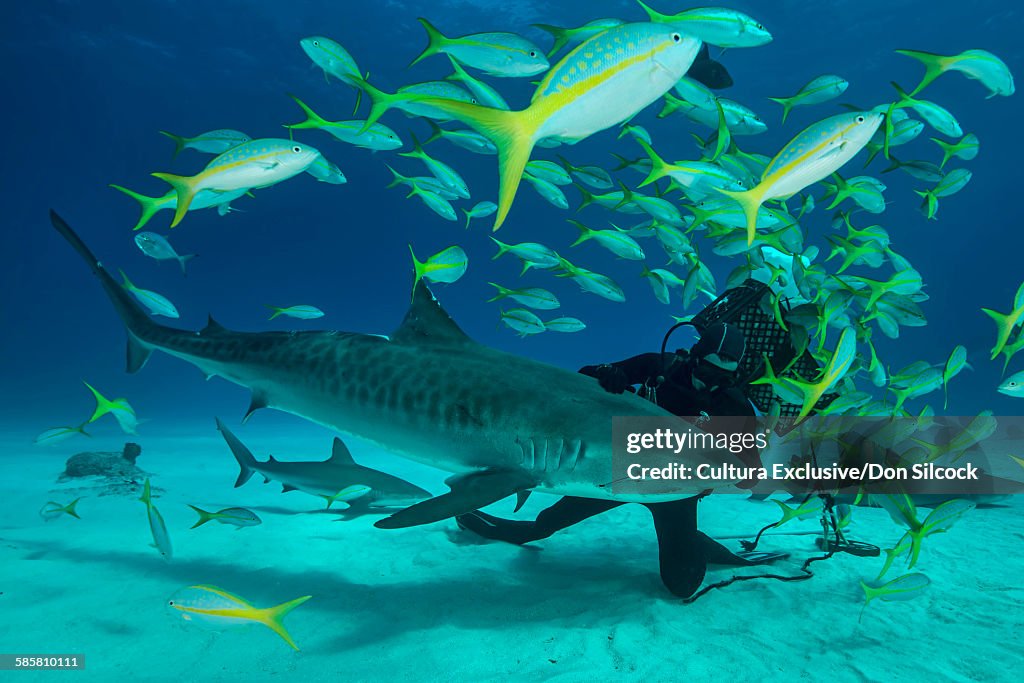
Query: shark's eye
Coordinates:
[676,37]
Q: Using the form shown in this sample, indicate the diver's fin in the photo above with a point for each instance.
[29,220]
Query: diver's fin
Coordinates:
[469,492]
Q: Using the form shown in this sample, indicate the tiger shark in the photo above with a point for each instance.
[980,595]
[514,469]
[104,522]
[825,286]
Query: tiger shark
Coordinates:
[502,424]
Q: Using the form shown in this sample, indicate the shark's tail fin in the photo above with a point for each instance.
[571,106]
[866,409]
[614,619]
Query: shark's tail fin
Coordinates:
[134,317]
[246,461]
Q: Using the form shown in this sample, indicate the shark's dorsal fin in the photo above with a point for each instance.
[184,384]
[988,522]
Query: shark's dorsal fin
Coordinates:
[285,488]
[427,323]
[340,454]
[212,327]
[270,458]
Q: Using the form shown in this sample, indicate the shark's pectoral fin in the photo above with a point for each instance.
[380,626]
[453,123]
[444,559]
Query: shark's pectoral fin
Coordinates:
[285,488]
[138,354]
[521,497]
[259,400]
[469,492]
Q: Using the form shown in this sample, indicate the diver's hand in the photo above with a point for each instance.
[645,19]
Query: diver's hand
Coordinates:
[612,379]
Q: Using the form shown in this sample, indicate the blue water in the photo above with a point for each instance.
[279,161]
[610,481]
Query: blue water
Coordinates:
[91,83]
[94,83]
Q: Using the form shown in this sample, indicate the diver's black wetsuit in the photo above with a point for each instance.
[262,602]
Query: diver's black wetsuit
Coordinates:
[684,552]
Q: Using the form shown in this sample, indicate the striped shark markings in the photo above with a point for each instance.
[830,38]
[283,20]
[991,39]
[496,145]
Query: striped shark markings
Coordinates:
[502,424]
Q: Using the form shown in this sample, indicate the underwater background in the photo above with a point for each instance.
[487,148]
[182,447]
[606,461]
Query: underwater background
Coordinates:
[90,84]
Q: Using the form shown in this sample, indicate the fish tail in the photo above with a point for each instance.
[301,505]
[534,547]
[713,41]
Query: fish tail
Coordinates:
[948,150]
[276,311]
[103,405]
[587,199]
[150,205]
[468,217]
[272,618]
[398,177]
[787,105]
[560,35]
[185,187]
[417,149]
[502,292]
[70,508]
[931,201]
[381,101]
[435,41]
[246,461]
[204,517]
[179,143]
[585,232]
[132,315]
[419,269]
[1004,326]
[313,120]
[659,169]
[750,201]
[436,132]
[934,66]
[147,495]
[670,106]
[182,260]
[502,248]
[512,132]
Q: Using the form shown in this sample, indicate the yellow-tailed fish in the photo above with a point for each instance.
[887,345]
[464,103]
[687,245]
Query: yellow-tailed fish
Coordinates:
[935,115]
[302,312]
[563,36]
[52,510]
[1013,385]
[715,25]
[58,434]
[979,65]
[1007,322]
[592,282]
[255,164]
[814,154]
[966,148]
[376,137]
[237,517]
[161,540]
[326,172]
[615,241]
[448,176]
[532,254]
[480,210]
[906,587]
[601,83]
[330,56]
[951,183]
[157,304]
[119,408]
[483,92]
[523,321]
[206,199]
[215,607]
[956,362]
[498,54]
[157,247]
[551,193]
[210,142]
[821,89]
[447,265]
[534,297]
[469,140]
[565,324]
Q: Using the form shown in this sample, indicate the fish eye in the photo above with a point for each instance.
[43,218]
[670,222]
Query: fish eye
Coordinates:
[316,43]
[860,119]
[533,53]
[1013,384]
[760,27]
[170,603]
[296,149]
[676,37]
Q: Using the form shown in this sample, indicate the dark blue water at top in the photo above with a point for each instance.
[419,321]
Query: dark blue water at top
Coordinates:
[91,83]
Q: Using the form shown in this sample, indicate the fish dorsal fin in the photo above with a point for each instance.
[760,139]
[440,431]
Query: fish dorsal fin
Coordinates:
[340,454]
[213,327]
[427,323]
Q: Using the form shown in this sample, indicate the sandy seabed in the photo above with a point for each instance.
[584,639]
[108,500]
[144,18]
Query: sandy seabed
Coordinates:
[435,603]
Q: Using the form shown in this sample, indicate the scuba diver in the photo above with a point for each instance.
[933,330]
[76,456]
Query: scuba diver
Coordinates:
[700,383]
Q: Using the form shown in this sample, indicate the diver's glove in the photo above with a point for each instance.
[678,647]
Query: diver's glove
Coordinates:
[612,379]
